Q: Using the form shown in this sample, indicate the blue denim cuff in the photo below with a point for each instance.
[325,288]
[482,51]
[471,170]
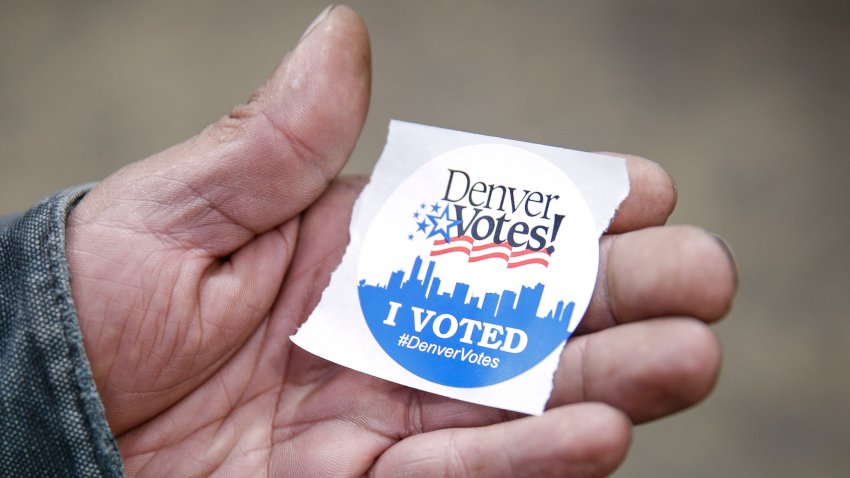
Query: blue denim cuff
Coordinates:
[52,421]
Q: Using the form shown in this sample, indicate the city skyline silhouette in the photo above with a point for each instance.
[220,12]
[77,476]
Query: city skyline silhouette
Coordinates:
[507,305]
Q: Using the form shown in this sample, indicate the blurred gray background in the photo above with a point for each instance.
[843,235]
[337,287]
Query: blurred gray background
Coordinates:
[746,103]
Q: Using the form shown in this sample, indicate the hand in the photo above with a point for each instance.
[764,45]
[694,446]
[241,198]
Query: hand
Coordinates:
[192,268]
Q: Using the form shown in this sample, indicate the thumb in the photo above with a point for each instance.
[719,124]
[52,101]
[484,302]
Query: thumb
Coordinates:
[264,162]
[160,313]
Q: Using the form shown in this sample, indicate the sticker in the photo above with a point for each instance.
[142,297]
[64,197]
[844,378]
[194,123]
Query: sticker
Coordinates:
[470,273]
[472,260]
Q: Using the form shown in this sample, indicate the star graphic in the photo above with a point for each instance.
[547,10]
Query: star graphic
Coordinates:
[441,224]
[435,207]
[410,237]
[423,225]
[416,215]
[422,205]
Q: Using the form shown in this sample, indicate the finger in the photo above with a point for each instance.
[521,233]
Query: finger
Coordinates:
[648,369]
[661,271]
[651,198]
[268,159]
[578,441]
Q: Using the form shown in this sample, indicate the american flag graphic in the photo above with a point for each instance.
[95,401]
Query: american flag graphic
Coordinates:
[482,251]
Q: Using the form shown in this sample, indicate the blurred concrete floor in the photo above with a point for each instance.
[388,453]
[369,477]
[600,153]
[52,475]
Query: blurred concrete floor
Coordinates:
[747,104]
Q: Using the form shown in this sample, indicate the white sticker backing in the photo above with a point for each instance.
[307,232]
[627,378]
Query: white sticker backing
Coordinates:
[472,259]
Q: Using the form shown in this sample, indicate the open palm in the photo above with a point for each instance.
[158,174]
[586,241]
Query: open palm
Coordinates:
[191,269]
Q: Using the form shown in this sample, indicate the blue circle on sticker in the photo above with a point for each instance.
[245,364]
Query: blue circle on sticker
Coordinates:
[479,266]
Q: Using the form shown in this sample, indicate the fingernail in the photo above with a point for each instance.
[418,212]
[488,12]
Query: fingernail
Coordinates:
[319,19]
[729,254]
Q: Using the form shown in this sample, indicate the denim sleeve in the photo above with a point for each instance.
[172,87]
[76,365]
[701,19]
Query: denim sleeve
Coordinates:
[52,422]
